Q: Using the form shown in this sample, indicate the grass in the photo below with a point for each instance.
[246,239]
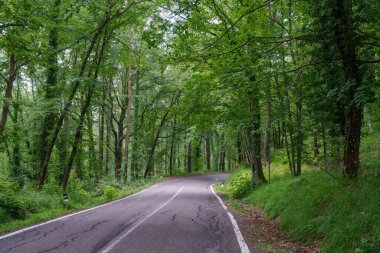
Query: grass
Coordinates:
[29,207]
[343,215]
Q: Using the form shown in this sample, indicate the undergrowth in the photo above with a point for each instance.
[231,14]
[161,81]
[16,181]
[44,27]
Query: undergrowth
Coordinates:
[27,206]
[342,215]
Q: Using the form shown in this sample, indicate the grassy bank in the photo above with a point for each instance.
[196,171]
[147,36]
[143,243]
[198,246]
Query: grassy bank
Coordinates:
[341,214]
[20,208]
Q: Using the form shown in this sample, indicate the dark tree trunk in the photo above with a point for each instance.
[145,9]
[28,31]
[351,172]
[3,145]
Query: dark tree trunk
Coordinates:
[50,87]
[268,119]
[93,166]
[256,133]
[135,170]
[344,39]
[108,143]
[149,166]
[208,151]
[8,93]
[129,109]
[65,110]
[189,158]
[299,137]
[84,109]
[315,144]
[172,147]
[101,135]
[324,145]
[119,144]
[16,156]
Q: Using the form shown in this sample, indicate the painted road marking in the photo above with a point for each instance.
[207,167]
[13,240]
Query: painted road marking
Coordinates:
[118,240]
[243,246]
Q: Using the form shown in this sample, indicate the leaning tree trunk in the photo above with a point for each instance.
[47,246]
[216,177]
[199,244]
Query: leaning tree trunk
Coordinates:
[84,109]
[65,110]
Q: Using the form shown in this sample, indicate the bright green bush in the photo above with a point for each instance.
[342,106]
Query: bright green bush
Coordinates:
[7,187]
[239,184]
[110,192]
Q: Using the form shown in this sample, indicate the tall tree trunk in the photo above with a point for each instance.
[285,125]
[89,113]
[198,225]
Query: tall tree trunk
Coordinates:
[8,93]
[299,136]
[189,157]
[315,143]
[91,146]
[256,133]
[108,143]
[345,42]
[16,156]
[84,109]
[134,162]
[149,165]
[101,135]
[208,151]
[119,145]
[172,147]
[324,144]
[50,87]
[129,107]
[65,110]
[268,119]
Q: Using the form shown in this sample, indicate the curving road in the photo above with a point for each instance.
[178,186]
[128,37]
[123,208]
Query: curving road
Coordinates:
[178,215]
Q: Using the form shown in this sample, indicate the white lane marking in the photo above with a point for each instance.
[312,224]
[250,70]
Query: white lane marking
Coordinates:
[243,245]
[69,215]
[121,237]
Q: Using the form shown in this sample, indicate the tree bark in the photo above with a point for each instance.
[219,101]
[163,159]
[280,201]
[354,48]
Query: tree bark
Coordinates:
[8,93]
[208,151]
[65,110]
[129,108]
[256,133]
[84,109]
[189,157]
[101,135]
[50,87]
[346,45]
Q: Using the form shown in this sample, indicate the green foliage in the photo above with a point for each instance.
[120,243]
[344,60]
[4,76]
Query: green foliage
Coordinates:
[178,172]
[342,215]
[12,207]
[239,184]
[110,192]
[7,187]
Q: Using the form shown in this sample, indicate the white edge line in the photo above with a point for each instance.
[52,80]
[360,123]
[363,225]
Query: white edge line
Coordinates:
[243,245]
[117,240]
[69,215]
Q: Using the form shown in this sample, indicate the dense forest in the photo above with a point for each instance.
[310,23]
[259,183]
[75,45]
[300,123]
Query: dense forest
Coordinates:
[96,91]
[130,89]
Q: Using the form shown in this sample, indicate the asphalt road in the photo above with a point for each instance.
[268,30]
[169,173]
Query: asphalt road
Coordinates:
[178,215]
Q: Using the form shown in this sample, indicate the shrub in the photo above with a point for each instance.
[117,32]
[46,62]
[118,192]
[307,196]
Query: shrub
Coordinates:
[239,184]
[12,207]
[7,187]
[110,192]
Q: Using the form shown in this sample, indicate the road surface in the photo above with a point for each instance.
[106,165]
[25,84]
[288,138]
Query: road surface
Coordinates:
[177,215]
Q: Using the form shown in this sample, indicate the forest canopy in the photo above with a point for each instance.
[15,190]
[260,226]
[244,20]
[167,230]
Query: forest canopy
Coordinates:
[95,90]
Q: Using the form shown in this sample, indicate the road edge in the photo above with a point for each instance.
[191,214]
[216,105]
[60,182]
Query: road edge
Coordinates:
[239,236]
[6,235]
